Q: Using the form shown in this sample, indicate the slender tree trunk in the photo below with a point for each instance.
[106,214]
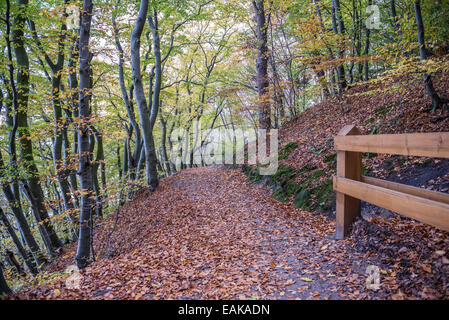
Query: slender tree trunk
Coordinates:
[99,159]
[144,112]
[262,65]
[26,257]
[337,22]
[436,101]
[11,191]
[164,147]
[170,143]
[26,149]
[329,49]
[134,157]
[125,158]
[395,17]
[61,171]
[73,83]
[85,166]
[119,165]
[366,51]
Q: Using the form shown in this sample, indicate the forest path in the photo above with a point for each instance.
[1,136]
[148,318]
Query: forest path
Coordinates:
[260,248]
[207,233]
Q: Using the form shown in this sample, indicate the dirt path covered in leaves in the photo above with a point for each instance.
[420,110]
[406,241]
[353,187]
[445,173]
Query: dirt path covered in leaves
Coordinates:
[207,233]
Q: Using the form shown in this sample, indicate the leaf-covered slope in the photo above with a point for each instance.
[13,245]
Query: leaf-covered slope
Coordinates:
[308,160]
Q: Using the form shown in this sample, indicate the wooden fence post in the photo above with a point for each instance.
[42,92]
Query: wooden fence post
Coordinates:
[349,165]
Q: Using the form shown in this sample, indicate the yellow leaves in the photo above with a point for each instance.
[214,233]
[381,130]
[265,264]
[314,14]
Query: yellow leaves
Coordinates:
[56,292]
[305,279]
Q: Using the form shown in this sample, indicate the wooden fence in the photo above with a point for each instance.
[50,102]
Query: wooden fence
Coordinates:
[423,205]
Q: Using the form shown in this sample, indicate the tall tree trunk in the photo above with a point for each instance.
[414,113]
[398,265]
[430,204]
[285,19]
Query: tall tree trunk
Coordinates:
[74,96]
[61,171]
[436,101]
[262,65]
[337,22]
[119,165]
[329,49]
[85,166]
[11,191]
[99,160]
[395,17]
[366,50]
[134,157]
[26,150]
[144,112]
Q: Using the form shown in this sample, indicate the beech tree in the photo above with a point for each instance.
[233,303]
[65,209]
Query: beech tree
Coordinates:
[85,169]
[262,64]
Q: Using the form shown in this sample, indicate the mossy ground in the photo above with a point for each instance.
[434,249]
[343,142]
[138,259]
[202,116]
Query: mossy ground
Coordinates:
[310,188]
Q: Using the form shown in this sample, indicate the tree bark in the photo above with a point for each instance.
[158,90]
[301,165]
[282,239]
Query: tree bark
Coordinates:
[127,99]
[262,65]
[339,28]
[164,147]
[146,121]
[73,84]
[26,150]
[436,101]
[366,50]
[85,166]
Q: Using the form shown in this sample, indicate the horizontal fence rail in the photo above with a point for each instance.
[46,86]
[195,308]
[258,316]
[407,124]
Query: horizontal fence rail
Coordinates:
[427,206]
[413,144]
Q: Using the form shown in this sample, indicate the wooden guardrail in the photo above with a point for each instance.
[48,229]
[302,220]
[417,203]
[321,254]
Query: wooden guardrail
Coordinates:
[423,205]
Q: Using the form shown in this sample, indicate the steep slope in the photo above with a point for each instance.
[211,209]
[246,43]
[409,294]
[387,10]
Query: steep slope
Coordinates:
[308,160]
